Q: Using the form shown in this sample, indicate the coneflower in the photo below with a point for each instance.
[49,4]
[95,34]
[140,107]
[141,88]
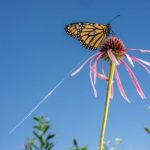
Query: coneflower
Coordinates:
[113,51]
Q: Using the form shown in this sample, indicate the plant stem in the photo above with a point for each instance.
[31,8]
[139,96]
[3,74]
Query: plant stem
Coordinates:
[110,80]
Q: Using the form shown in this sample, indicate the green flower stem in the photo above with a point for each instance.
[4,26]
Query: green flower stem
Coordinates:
[110,80]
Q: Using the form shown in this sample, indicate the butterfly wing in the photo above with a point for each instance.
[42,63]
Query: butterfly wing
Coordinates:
[91,35]
[74,29]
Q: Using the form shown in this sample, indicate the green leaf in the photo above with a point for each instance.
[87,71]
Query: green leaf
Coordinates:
[42,139]
[147,130]
[30,143]
[45,128]
[84,148]
[42,142]
[38,119]
[36,147]
[75,143]
[38,136]
[50,136]
[37,127]
[49,146]
[76,147]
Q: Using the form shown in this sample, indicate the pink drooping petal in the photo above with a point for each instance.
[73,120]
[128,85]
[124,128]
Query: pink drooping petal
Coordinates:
[120,87]
[95,67]
[129,59]
[141,50]
[143,61]
[92,76]
[95,76]
[135,82]
[112,57]
[101,76]
[93,85]
[95,72]
[102,68]
[139,62]
[85,62]
[112,91]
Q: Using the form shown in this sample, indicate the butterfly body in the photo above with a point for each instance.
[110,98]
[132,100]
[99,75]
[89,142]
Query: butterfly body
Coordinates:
[90,35]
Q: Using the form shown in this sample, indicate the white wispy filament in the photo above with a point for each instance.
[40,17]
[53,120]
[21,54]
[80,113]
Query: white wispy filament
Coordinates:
[48,95]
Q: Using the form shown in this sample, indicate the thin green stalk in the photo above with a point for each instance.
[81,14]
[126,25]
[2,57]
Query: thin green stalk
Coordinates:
[110,80]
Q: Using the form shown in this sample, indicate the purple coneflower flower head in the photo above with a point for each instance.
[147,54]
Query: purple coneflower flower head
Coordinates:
[113,47]
[114,50]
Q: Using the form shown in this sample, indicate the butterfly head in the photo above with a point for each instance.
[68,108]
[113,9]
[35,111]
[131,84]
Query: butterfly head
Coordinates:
[110,31]
[109,25]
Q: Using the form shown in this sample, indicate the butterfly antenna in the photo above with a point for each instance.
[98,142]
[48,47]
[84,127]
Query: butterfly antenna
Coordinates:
[113,19]
[112,32]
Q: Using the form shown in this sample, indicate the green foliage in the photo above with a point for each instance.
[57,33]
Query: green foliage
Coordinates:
[147,130]
[76,147]
[42,139]
[30,144]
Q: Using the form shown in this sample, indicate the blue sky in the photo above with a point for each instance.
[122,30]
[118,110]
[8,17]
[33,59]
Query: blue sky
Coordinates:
[36,53]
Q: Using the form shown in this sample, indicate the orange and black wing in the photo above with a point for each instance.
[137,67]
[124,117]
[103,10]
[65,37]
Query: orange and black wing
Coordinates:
[91,35]
[74,29]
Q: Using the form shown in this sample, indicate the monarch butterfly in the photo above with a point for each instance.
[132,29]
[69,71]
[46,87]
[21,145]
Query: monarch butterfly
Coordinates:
[90,35]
